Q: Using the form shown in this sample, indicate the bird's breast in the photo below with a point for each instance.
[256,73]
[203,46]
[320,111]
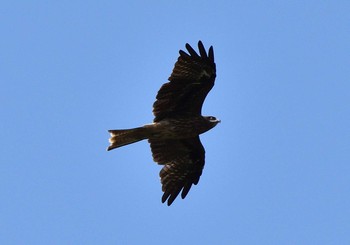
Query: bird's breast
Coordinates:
[180,128]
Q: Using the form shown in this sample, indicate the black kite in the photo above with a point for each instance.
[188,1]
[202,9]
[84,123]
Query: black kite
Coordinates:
[174,133]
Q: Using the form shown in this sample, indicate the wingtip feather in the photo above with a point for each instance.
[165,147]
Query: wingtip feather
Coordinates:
[211,54]
[201,49]
[184,55]
[192,52]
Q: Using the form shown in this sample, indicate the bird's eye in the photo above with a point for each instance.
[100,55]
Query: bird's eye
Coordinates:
[212,118]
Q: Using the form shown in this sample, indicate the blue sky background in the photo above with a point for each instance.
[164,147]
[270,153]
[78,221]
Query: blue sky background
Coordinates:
[277,167]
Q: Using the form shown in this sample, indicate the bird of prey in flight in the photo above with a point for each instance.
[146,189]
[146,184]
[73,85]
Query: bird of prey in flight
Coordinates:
[174,133]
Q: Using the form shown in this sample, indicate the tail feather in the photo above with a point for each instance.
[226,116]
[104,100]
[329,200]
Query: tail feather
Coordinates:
[123,137]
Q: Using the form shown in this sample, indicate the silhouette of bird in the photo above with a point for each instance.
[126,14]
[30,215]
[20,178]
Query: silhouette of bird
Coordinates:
[174,133]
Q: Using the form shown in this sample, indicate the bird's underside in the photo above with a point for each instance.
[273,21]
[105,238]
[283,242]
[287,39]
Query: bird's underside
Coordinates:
[174,134]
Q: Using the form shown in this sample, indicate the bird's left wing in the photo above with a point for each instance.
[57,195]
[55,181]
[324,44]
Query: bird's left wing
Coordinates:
[184,162]
[191,80]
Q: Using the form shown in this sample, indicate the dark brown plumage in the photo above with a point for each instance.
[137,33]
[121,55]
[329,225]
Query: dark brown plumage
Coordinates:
[174,133]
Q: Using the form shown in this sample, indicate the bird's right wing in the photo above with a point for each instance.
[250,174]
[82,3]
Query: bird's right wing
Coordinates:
[184,162]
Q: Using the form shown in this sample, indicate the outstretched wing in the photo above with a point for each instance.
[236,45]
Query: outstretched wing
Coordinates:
[184,162]
[191,80]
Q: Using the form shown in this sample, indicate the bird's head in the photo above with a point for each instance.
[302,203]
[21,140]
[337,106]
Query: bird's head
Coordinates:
[212,120]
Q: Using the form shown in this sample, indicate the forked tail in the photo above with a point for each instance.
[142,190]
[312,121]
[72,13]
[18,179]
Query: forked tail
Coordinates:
[126,136]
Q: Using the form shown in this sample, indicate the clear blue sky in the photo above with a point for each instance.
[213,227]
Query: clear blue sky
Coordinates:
[277,167]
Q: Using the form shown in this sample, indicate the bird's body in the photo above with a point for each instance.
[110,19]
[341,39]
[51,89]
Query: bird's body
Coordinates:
[166,129]
[174,134]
